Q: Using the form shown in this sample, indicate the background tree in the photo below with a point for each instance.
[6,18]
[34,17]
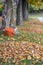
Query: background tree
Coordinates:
[25,9]
[4,12]
[19,13]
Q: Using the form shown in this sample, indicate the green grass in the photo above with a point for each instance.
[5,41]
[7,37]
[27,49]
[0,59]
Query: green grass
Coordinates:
[22,62]
[25,35]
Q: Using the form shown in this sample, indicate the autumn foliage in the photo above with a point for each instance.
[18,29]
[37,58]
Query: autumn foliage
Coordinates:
[20,51]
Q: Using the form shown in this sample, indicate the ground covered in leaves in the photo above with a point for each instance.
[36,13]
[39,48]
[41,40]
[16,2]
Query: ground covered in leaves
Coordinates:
[20,51]
[27,44]
[31,31]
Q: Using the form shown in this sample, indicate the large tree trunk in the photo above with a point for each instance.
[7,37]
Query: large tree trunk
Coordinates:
[12,14]
[19,13]
[8,4]
[4,13]
[25,10]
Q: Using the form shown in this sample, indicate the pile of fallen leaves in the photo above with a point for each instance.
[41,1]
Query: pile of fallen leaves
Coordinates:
[20,50]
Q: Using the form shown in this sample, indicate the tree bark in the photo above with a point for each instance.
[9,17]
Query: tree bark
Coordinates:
[25,10]
[12,14]
[8,4]
[4,13]
[19,13]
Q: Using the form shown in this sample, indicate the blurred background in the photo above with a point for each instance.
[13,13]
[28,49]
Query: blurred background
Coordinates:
[32,8]
[1,7]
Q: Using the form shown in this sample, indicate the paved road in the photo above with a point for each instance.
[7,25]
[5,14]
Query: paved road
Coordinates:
[35,15]
[38,16]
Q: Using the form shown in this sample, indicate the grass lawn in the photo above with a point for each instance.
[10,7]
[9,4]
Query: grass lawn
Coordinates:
[28,44]
[31,31]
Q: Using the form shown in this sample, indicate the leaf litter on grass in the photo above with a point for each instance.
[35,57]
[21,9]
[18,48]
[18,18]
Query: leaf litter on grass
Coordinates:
[20,51]
[23,46]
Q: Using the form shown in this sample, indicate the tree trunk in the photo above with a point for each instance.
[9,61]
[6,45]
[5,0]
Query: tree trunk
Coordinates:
[12,11]
[19,13]
[25,10]
[4,13]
